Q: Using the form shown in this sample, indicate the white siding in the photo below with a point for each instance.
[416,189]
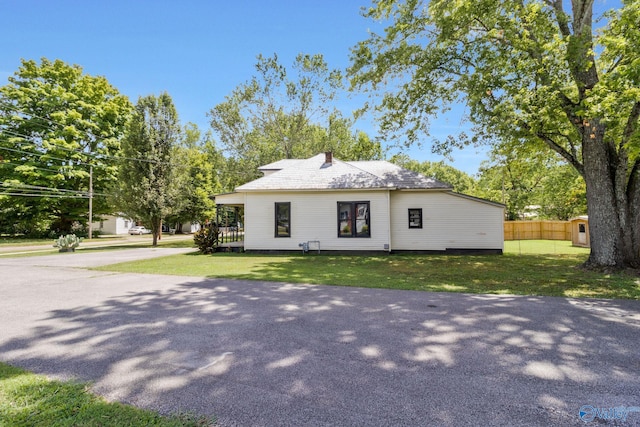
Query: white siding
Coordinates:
[448,221]
[314,216]
[113,225]
[230,199]
[189,227]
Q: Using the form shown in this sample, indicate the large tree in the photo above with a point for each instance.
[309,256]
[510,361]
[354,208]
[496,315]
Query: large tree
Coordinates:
[531,182]
[286,113]
[146,189]
[279,104]
[55,123]
[199,170]
[529,71]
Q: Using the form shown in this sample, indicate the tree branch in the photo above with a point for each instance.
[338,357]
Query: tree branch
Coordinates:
[632,124]
[570,157]
[563,23]
[564,153]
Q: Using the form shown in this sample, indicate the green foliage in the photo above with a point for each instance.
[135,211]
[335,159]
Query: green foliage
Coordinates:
[198,174]
[55,121]
[286,113]
[563,195]
[146,187]
[460,181]
[33,400]
[68,242]
[207,238]
[529,73]
[529,182]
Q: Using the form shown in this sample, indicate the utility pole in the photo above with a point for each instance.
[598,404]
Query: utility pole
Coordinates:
[90,201]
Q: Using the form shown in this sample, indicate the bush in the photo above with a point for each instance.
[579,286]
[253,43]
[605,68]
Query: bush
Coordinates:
[67,243]
[207,238]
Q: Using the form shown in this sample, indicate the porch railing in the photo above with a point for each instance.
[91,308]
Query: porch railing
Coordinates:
[231,234]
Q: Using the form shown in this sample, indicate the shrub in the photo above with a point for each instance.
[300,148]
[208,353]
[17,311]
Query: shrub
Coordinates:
[67,243]
[207,238]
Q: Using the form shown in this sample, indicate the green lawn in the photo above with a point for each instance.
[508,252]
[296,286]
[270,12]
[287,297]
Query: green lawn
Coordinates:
[27,399]
[526,268]
[38,247]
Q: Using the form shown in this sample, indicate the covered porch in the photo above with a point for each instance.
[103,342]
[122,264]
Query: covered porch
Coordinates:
[230,221]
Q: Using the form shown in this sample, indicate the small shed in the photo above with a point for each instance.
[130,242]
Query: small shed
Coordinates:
[580,231]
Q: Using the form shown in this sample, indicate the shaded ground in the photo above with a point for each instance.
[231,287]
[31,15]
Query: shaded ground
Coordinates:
[258,353]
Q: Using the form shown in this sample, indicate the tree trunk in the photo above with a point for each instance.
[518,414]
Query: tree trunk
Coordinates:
[156,227]
[611,204]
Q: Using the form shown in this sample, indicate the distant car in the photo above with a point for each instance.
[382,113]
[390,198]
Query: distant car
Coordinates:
[139,230]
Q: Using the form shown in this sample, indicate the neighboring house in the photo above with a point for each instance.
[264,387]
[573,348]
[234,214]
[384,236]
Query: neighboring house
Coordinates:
[190,227]
[112,224]
[361,206]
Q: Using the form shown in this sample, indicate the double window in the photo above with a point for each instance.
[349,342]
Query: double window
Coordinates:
[283,219]
[354,219]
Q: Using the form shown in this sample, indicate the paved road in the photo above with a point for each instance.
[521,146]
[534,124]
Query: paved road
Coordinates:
[120,240]
[277,354]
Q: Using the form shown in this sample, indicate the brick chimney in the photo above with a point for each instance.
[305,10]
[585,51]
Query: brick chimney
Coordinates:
[328,158]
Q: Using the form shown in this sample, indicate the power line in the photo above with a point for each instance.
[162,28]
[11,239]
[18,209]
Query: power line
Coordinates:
[28,140]
[30,166]
[18,186]
[63,125]
[90,153]
[38,187]
[15,108]
[41,155]
[66,196]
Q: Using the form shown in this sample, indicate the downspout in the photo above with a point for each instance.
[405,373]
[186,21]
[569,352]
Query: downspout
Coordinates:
[244,225]
[389,219]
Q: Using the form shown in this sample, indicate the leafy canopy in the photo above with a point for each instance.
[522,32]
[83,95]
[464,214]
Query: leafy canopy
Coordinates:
[147,189]
[55,121]
[525,69]
[286,113]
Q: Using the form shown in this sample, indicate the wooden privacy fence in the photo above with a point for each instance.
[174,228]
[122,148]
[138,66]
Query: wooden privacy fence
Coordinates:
[537,230]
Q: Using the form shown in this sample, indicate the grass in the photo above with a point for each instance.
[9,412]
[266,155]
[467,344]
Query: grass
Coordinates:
[543,247]
[36,247]
[27,399]
[526,268]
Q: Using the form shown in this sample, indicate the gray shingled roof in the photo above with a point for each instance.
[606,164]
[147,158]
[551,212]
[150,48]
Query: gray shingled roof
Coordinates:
[280,164]
[399,177]
[314,174]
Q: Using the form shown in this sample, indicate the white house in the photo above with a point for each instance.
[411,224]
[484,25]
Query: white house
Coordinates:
[361,206]
[112,224]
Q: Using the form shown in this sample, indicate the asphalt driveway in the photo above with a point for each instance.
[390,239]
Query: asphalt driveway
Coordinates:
[270,354]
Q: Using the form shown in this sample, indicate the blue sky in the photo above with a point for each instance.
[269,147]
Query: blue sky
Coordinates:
[197,51]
